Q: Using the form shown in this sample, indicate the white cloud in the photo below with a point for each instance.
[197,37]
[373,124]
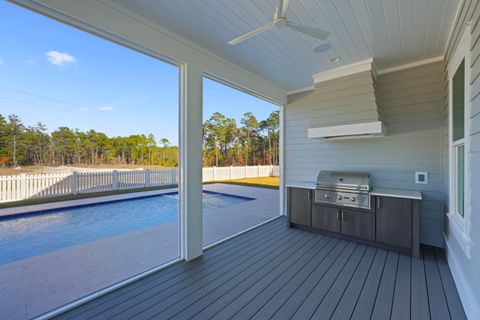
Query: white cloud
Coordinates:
[59,58]
[106,108]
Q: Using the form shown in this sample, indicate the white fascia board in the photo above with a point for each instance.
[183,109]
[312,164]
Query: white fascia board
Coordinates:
[364,130]
[309,88]
[343,71]
[410,65]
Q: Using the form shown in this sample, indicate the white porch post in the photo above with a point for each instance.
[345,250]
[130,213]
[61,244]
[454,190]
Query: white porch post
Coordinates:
[191,161]
[281,143]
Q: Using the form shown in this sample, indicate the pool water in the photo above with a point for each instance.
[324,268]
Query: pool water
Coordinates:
[30,235]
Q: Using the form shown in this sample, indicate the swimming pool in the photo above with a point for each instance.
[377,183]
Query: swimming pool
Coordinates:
[30,235]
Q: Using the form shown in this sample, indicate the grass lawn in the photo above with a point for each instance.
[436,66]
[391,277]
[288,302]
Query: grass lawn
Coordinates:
[264,182]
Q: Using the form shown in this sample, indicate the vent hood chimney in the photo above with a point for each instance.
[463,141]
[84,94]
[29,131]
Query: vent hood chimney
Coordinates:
[344,103]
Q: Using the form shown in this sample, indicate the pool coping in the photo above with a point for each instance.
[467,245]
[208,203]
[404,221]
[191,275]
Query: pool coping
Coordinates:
[58,205]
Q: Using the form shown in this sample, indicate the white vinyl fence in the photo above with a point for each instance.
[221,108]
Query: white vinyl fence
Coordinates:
[228,173]
[24,186]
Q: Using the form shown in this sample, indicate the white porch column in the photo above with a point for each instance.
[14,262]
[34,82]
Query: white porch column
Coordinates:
[281,143]
[191,161]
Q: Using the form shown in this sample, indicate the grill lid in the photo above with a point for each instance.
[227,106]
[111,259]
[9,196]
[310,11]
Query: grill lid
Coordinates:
[344,180]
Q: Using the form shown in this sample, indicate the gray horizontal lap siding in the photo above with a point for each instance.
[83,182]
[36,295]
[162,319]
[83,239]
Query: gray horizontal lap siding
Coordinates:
[463,266]
[412,103]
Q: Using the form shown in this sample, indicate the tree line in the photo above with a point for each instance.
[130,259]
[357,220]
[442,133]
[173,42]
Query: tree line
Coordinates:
[225,143]
[33,145]
[253,142]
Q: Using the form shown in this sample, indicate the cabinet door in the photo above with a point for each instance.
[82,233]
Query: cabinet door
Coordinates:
[326,218]
[300,206]
[394,221]
[360,224]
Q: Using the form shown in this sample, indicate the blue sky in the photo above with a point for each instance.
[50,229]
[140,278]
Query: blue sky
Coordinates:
[62,76]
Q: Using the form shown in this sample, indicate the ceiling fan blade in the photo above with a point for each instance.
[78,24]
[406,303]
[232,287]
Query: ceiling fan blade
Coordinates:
[312,32]
[282,8]
[252,33]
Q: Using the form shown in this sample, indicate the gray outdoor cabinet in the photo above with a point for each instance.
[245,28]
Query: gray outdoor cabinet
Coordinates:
[300,206]
[326,218]
[358,223]
[392,222]
[398,223]
[346,221]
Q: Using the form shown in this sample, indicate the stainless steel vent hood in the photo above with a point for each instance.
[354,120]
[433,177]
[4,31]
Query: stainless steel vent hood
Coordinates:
[345,104]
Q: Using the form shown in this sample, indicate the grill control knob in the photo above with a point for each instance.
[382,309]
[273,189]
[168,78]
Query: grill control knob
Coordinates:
[326,196]
[352,198]
[339,198]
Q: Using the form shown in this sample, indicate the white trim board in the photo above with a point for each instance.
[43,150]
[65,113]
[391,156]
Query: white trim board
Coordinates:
[366,129]
[361,66]
[309,88]
[452,27]
[460,226]
[410,65]
[464,289]
[343,71]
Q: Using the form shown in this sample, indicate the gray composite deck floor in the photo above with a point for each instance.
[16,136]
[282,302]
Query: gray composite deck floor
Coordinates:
[281,273]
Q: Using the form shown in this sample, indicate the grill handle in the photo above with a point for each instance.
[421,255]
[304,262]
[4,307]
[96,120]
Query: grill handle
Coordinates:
[339,213]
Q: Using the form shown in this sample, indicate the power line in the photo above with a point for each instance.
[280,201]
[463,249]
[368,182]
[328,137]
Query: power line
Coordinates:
[42,97]
[39,105]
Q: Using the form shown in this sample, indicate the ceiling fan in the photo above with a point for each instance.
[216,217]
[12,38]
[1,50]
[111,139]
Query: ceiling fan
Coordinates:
[280,20]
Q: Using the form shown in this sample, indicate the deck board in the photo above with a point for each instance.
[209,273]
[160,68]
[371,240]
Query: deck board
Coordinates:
[272,303]
[180,288]
[454,305]
[383,302]
[366,301]
[273,272]
[329,303]
[211,256]
[352,254]
[401,297]
[249,301]
[420,309]
[352,292]
[436,295]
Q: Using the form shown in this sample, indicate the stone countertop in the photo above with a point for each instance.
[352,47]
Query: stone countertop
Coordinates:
[397,193]
[302,184]
[384,192]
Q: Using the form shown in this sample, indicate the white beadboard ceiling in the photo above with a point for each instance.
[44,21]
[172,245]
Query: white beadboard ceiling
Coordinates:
[393,32]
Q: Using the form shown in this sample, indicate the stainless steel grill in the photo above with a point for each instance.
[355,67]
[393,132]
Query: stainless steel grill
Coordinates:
[343,188]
